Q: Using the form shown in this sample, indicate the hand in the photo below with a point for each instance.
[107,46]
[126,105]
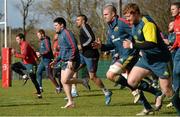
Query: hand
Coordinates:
[127,43]
[97,44]
[70,65]
[51,64]
[171,49]
[166,41]
[38,54]
[13,51]
[79,47]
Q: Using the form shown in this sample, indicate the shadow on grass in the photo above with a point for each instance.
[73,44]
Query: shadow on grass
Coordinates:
[169,113]
[120,104]
[91,95]
[99,90]
[12,105]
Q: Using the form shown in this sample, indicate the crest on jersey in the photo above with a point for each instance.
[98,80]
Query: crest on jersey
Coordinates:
[116,28]
[139,31]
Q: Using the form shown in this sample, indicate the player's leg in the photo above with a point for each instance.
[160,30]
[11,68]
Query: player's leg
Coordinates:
[134,78]
[32,73]
[18,67]
[92,64]
[50,76]
[40,70]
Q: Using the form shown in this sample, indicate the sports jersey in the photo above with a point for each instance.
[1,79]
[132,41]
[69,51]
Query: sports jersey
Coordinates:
[87,37]
[45,48]
[146,32]
[55,48]
[118,31]
[27,54]
[177,32]
[68,46]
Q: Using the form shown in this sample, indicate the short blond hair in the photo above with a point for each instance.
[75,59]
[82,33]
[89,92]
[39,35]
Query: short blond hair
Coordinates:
[131,8]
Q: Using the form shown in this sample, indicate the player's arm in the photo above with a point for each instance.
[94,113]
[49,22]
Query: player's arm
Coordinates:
[88,35]
[47,46]
[69,37]
[23,53]
[108,46]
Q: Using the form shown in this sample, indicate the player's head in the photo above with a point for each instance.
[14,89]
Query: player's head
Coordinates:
[175,9]
[20,37]
[40,33]
[59,24]
[132,13]
[109,13]
[81,19]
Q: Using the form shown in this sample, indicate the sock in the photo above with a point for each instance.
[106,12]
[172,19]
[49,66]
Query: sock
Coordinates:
[123,81]
[144,101]
[73,89]
[143,85]
[105,91]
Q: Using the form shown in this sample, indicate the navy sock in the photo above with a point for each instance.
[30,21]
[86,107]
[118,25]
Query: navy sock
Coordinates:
[123,81]
[143,85]
[144,101]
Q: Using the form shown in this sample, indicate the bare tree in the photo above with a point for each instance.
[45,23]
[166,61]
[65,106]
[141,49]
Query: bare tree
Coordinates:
[159,10]
[69,9]
[24,10]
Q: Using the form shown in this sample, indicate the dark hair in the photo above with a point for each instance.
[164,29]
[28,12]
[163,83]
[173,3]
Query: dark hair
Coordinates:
[41,31]
[60,20]
[111,7]
[84,17]
[177,4]
[21,36]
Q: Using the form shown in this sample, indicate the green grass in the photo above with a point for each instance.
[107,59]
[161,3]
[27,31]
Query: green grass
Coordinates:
[19,100]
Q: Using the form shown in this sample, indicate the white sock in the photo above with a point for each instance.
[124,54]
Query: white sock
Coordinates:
[105,91]
[73,89]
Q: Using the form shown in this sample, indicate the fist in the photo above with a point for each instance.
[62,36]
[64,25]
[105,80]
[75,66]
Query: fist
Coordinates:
[38,54]
[13,51]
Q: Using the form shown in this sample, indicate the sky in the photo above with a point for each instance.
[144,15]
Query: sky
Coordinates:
[13,15]
[14,18]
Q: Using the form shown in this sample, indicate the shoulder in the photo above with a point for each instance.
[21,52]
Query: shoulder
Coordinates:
[123,20]
[25,43]
[67,34]
[149,25]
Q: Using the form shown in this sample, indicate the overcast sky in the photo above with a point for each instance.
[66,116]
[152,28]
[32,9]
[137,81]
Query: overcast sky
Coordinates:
[13,15]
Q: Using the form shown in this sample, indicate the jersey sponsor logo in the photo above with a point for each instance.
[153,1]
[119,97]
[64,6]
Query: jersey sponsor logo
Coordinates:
[117,39]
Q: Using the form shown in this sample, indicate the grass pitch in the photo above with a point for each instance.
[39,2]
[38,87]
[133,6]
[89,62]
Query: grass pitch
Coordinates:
[19,100]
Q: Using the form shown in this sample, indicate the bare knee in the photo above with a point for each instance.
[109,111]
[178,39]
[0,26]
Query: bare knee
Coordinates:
[64,81]
[110,75]
[132,83]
